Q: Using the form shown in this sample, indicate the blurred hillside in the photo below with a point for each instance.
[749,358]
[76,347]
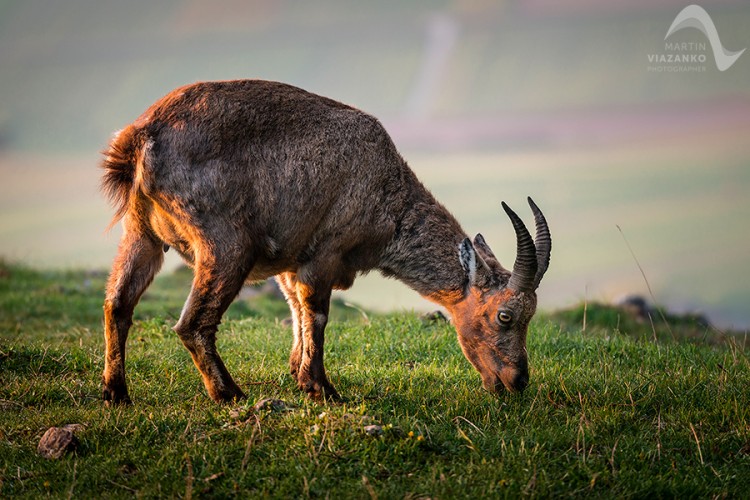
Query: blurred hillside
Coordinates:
[488,100]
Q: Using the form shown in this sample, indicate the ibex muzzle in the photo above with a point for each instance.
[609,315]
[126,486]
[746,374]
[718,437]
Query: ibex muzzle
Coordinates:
[250,179]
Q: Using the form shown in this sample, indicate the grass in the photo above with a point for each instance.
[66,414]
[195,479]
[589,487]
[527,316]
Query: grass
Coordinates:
[606,413]
[657,324]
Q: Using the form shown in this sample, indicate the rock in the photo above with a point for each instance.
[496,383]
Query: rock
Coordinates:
[373,430]
[270,404]
[637,307]
[237,413]
[58,440]
[434,317]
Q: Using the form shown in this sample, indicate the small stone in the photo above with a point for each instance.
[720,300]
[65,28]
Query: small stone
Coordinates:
[271,404]
[434,317]
[74,427]
[373,430]
[636,306]
[58,440]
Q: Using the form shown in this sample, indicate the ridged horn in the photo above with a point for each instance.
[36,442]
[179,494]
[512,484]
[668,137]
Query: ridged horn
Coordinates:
[542,241]
[525,267]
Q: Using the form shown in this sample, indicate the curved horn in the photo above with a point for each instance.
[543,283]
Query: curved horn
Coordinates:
[525,266]
[543,243]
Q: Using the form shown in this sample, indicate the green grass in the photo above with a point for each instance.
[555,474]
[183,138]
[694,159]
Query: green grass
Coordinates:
[657,324]
[605,414]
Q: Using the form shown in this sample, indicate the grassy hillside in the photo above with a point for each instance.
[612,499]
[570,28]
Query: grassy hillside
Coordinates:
[679,210]
[605,413]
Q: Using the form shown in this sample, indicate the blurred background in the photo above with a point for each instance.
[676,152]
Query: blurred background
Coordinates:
[487,101]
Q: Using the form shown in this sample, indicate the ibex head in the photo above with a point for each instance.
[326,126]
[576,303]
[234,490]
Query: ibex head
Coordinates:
[493,317]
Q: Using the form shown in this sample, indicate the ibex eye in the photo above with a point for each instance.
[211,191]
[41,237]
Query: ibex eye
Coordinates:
[504,317]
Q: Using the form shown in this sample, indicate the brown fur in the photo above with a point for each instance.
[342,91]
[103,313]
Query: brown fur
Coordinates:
[250,179]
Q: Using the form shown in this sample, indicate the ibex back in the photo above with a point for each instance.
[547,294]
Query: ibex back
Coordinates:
[251,179]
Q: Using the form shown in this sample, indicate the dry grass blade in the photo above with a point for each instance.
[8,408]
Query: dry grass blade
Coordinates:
[250,443]
[189,479]
[697,442]
[648,285]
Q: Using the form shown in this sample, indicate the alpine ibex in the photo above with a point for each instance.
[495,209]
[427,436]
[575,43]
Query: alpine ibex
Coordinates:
[251,179]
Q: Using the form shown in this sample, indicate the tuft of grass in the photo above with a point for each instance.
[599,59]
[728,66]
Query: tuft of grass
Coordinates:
[657,324]
[605,414]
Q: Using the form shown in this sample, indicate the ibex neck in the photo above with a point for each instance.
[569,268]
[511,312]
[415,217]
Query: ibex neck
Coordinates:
[424,250]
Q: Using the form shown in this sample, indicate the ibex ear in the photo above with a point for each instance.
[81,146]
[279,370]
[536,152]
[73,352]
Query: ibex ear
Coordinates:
[484,251]
[481,245]
[468,257]
[479,273]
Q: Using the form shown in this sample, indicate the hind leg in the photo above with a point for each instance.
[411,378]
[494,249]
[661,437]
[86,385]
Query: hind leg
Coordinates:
[215,285]
[139,258]
[288,285]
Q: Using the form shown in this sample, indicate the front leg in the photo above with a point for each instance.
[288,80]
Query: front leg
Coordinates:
[311,377]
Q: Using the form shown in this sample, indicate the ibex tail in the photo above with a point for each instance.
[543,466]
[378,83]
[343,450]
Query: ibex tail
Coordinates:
[119,166]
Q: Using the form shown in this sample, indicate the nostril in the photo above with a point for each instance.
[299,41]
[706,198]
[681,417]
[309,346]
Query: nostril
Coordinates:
[520,381]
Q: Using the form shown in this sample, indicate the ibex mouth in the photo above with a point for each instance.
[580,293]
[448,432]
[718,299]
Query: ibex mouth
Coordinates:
[508,378]
[493,387]
[518,382]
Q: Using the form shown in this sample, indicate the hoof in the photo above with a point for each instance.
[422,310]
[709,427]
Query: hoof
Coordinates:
[114,397]
[226,394]
[320,392]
